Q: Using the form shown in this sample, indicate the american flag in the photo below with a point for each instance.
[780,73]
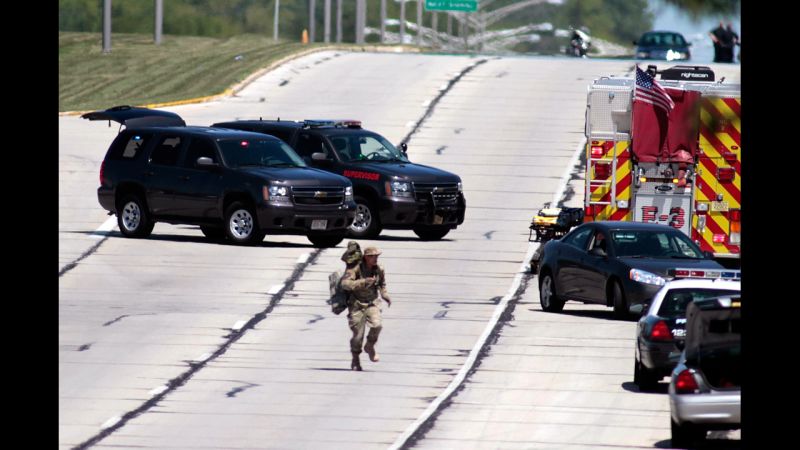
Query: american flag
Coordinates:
[649,91]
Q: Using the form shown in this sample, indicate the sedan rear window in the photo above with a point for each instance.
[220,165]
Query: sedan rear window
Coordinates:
[676,300]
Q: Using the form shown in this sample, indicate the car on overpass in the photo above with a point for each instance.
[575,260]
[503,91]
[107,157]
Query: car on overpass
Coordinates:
[391,192]
[234,184]
[661,331]
[705,390]
[614,263]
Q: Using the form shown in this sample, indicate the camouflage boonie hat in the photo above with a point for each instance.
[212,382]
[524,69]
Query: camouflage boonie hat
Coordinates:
[353,253]
[372,251]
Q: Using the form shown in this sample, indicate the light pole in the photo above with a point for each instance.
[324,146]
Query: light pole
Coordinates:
[159,6]
[106,26]
[275,21]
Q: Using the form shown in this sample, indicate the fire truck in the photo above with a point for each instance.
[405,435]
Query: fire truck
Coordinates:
[695,188]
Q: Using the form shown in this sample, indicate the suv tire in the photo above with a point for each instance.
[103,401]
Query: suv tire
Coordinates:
[241,225]
[367,223]
[133,218]
[431,233]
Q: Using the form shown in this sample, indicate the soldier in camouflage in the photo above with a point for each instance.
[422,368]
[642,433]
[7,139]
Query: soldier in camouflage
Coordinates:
[366,284]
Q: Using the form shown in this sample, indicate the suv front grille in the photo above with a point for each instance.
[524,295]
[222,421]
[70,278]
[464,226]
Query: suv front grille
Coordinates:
[442,194]
[318,195]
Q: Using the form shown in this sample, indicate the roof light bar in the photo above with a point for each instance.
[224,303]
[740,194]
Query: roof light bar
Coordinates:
[711,274]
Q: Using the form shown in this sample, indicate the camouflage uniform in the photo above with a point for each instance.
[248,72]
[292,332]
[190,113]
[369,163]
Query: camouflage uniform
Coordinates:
[364,304]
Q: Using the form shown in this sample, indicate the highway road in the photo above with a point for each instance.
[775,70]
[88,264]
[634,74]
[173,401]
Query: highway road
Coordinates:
[178,342]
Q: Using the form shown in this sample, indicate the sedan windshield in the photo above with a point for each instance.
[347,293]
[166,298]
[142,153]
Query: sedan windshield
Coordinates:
[654,244]
[259,152]
[354,147]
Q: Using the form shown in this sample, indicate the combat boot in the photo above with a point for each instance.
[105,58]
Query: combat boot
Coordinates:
[356,364]
[370,349]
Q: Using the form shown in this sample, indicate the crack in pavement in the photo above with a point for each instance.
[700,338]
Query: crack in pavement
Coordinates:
[85,254]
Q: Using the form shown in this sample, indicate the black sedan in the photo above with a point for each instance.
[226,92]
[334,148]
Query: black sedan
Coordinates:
[612,263]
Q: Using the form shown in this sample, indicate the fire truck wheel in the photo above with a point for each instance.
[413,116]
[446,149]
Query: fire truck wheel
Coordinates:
[550,301]
[618,300]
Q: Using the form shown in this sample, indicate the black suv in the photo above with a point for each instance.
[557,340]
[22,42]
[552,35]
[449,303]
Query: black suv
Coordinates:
[231,183]
[391,192]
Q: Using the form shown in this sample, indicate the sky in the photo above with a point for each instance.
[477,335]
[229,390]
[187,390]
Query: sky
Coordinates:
[670,18]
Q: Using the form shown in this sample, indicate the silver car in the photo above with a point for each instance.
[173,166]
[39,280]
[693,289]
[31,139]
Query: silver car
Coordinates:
[705,389]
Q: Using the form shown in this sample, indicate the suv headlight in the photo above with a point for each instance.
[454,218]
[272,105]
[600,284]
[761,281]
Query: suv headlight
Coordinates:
[398,189]
[645,277]
[460,187]
[348,194]
[276,194]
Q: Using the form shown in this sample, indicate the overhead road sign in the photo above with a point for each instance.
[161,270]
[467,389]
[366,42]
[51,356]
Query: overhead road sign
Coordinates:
[451,5]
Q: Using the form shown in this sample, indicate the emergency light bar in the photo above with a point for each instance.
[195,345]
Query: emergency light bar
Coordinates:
[346,123]
[688,73]
[735,275]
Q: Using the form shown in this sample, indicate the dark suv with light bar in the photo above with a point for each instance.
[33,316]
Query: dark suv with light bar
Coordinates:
[231,183]
[391,192]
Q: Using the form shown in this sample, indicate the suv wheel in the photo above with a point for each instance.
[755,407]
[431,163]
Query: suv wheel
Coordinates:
[618,300]
[431,233]
[326,240]
[241,225]
[366,224]
[133,218]
[212,232]
[550,301]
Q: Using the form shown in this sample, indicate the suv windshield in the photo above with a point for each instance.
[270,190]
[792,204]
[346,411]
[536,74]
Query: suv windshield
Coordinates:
[654,244]
[676,300]
[365,147]
[259,152]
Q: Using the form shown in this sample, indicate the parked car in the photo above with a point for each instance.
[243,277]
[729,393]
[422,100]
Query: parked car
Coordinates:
[391,191]
[705,389]
[231,183]
[664,45]
[614,263]
[661,331]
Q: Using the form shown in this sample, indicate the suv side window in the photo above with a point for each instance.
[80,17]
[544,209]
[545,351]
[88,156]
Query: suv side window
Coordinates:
[199,147]
[167,151]
[129,146]
[307,144]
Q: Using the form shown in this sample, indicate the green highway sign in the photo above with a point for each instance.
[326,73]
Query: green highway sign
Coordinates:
[451,5]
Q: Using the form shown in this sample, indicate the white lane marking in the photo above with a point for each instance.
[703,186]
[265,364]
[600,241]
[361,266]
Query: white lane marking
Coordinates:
[410,124]
[203,357]
[303,258]
[238,325]
[105,228]
[110,422]
[158,390]
[275,289]
[473,354]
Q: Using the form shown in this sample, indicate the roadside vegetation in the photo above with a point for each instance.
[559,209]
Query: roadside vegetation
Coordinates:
[137,72]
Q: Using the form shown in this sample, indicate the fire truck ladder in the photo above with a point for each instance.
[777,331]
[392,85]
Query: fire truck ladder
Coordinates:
[611,180]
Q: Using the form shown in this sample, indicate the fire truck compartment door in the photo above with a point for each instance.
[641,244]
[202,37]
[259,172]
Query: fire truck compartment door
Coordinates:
[671,210]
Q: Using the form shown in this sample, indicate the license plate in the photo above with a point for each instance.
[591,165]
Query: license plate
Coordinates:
[719,206]
[437,219]
[320,224]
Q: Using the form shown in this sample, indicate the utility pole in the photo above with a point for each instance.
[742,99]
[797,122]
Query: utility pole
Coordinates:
[435,26]
[275,21]
[383,21]
[338,21]
[419,22]
[402,21]
[106,26]
[159,25]
[312,8]
[327,21]
[361,7]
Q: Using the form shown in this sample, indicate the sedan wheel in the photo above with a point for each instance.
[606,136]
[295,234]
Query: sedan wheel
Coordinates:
[550,301]
[620,304]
